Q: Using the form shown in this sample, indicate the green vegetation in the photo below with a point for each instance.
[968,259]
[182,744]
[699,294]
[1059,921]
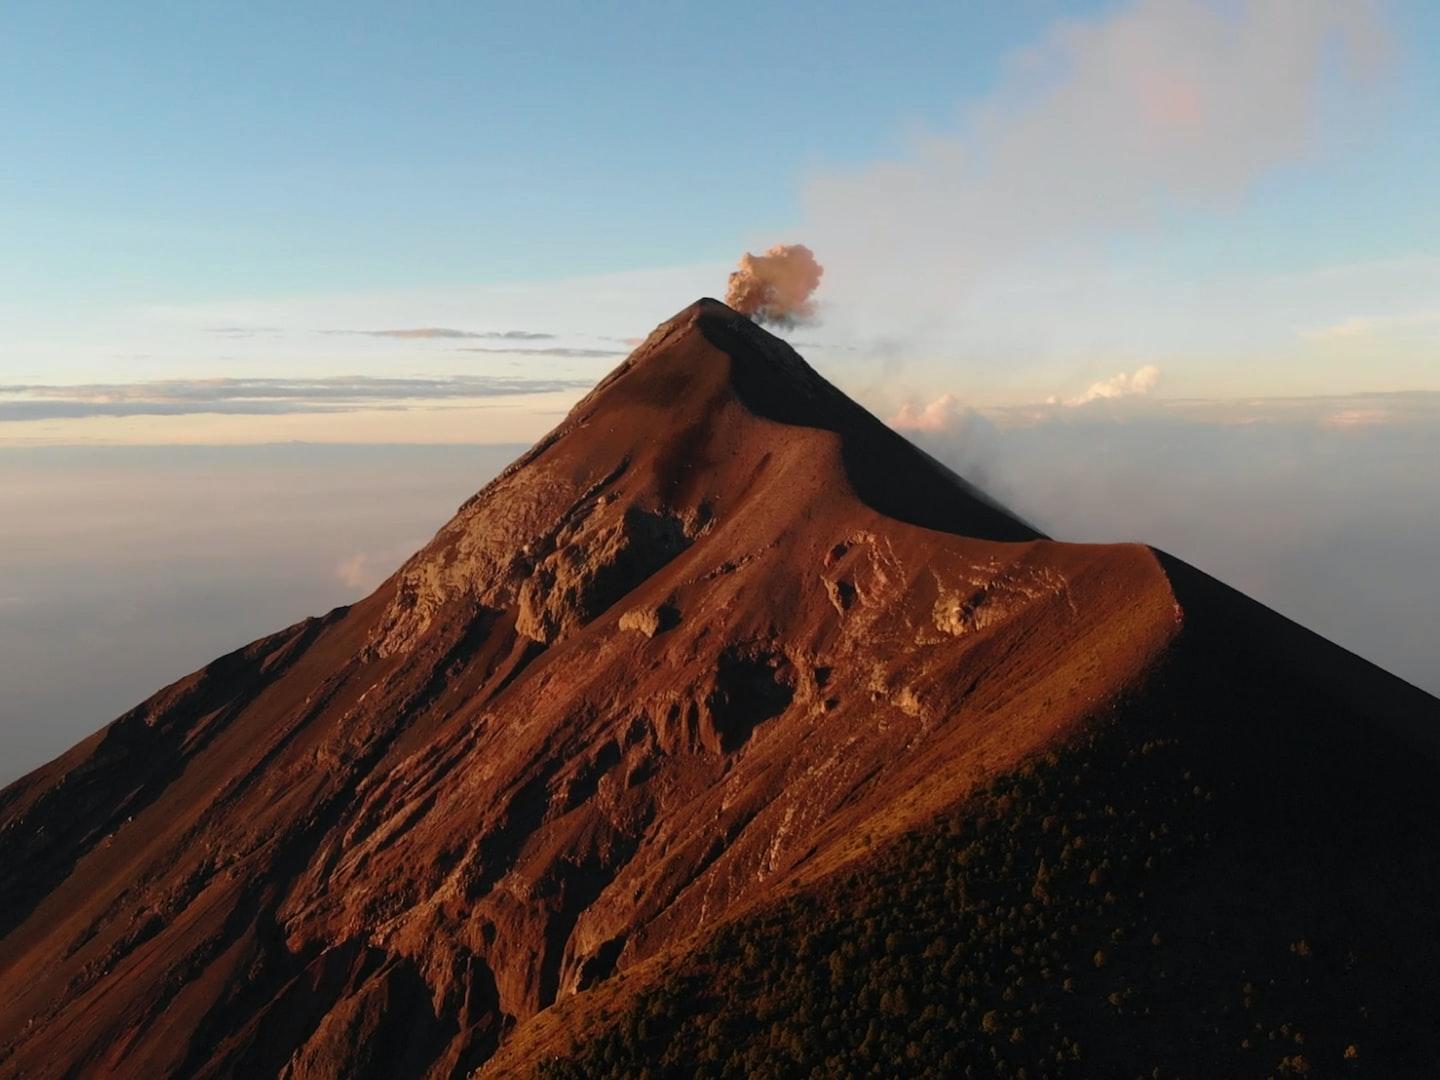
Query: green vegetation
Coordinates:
[1199,903]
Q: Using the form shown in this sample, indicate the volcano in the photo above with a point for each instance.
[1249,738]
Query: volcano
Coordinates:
[727,733]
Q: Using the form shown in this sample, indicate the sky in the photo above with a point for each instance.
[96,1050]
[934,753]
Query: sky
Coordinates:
[1144,267]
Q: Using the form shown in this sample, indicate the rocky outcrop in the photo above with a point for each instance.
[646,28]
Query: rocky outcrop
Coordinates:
[595,563]
[651,620]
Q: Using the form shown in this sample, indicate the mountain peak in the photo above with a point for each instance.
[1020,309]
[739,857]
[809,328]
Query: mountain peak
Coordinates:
[755,362]
[707,351]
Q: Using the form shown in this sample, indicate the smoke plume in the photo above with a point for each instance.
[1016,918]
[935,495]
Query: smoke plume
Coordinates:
[776,287]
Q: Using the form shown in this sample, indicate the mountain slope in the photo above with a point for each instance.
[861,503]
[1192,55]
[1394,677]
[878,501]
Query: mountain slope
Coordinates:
[1219,876]
[717,636]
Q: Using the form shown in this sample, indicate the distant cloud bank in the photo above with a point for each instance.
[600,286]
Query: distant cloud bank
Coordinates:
[518,338]
[1326,508]
[260,396]
[1403,409]
[1105,126]
[1135,383]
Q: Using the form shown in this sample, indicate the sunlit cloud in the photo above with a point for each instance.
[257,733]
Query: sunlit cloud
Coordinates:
[355,571]
[364,570]
[1354,418]
[939,415]
[946,415]
[1135,383]
[557,351]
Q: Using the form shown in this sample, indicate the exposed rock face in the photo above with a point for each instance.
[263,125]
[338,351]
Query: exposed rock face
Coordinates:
[595,563]
[709,633]
[650,620]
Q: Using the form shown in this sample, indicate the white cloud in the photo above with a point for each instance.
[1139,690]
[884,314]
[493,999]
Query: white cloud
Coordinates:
[260,397]
[1271,495]
[1137,383]
[953,432]
[1108,124]
[944,419]
[426,333]
[939,415]
[590,318]
[1365,326]
[1355,418]
[365,570]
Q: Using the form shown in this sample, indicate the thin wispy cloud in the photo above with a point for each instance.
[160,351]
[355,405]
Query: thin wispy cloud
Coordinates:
[363,570]
[947,413]
[425,333]
[260,396]
[515,341]
[1107,126]
[1364,326]
[556,351]
[947,416]
[939,415]
[1135,383]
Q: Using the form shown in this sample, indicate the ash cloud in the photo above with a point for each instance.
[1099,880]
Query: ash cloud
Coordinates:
[776,287]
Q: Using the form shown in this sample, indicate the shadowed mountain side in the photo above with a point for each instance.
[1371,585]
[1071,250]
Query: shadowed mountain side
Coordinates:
[717,636]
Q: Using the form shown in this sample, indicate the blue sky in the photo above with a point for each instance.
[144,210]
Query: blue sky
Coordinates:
[200,190]
[198,149]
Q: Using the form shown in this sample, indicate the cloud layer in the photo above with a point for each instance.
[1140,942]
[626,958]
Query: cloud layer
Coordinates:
[262,396]
[1135,383]
[1108,124]
[1326,508]
[424,333]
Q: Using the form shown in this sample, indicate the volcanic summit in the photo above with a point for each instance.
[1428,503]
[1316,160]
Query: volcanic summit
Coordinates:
[722,650]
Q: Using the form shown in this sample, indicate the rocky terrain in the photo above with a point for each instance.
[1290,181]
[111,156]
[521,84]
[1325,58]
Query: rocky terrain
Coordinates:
[718,643]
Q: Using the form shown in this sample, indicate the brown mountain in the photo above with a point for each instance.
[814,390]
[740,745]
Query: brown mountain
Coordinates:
[719,650]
